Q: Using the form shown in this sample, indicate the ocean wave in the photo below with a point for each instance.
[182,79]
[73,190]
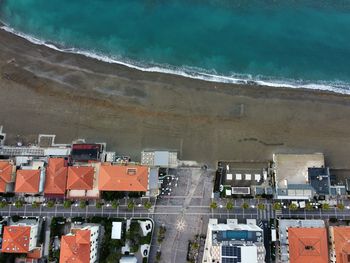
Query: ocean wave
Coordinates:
[194,73]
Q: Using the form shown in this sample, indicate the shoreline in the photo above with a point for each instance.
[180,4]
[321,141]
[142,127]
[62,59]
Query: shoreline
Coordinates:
[183,72]
[46,91]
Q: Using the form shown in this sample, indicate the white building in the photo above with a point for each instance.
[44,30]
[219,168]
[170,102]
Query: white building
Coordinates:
[233,242]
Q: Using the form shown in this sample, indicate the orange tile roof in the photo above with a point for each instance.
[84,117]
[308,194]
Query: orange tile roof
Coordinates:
[308,245]
[56,176]
[16,239]
[5,174]
[80,177]
[27,181]
[123,178]
[75,248]
[342,243]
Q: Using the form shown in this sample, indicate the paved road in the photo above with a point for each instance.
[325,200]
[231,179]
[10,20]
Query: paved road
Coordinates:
[199,210]
[185,213]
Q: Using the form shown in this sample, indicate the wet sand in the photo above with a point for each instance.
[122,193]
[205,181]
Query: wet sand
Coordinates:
[46,91]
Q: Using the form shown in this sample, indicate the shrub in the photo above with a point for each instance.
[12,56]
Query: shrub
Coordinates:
[229,205]
[98,205]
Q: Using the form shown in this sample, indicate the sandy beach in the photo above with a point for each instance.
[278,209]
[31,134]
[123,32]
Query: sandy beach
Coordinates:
[46,91]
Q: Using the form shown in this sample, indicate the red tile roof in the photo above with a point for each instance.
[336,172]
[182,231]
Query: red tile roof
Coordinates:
[123,178]
[16,239]
[56,177]
[80,177]
[342,243]
[308,245]
[27,181]
[5,174]
[75,248]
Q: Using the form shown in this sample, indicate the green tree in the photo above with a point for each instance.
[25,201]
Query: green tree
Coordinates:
[309,207]
[131,205]
[19,204]
[340,206]
[148,205]
[277,206]
[293,206]
[3,204]
[98,205]
[325,206]
[67,204]
[261,206]
[50,204]
[213,205]
[245,205]
[115,204]
[35,204]
[82,204]
[229,205]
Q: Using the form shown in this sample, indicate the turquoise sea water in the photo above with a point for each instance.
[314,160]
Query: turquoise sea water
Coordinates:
[299,43]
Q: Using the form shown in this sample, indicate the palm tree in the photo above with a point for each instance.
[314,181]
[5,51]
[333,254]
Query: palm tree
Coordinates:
[35,204]
[277,206]
[50,204]
[148,205]
[67,204]
[131,205]
[309,206]
[82,204]
[19,204]
[293,206]
[340,206]
[3,204]
[115,204]
[245,205]
[213,205]
[261,206]
[229,205]
[325,206]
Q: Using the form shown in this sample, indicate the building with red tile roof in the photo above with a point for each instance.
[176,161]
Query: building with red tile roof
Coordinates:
[27,181]
[80,245]
[308,245]
[127,178]
[6,171]
[340,244]
[56,177]
[19,238]
[80,177]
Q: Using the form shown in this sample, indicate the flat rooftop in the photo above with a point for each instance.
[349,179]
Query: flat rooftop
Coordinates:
[243,174]
[293,168]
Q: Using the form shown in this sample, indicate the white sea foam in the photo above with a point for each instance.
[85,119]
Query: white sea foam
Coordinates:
[338,87]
